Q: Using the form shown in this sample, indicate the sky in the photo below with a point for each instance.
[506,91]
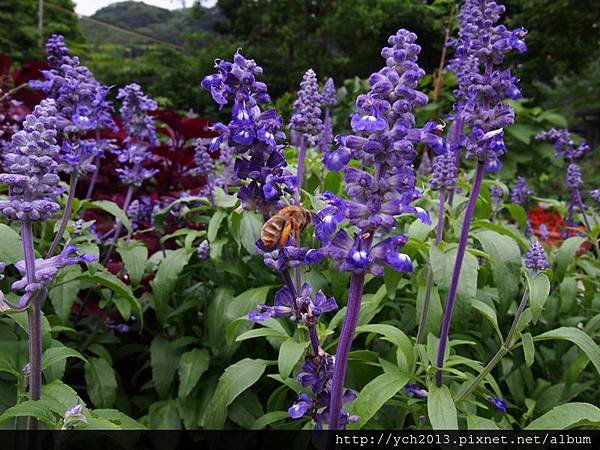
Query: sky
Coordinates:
[89,7]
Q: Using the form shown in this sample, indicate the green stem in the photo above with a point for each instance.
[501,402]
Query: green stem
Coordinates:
[504,349]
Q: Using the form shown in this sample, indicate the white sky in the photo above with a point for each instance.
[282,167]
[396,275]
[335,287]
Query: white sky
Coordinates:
[89,7]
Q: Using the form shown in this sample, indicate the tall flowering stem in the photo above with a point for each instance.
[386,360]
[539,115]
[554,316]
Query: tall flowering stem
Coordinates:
[481,105]
[306,122]
[31,175]
[460,254]
[443,179]
[535,261]
[383,188]
[329,100]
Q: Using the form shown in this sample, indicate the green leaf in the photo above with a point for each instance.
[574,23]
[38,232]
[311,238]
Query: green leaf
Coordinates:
[215,224]
[107,279]
[539,290]
[528,348]
[59,397]
[164,415]
[406,352]
[123,421]
[111,208]
[442,264]
[224,200]
[480,423]
[567,416]
[9,357]
[250,227]
[268,419]
[191,367]
[261,332]
[488,312]
[164,359]
[434,315]
[518,213]
[507,264]
[56,354]
[566,254]
[441,408]
[34,408]
[164,283]
[246,301]
[374,395]
[11,248]
[522,133]
[135,257]
[577,337]
[64,294]
[101,382]
[290,353]
[236,379]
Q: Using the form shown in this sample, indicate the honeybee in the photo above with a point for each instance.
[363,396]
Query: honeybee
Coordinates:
[276,231]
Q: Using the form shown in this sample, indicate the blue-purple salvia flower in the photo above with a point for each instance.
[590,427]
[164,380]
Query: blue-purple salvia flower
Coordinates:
[482,89]
[328,101]
[536,259]
[31,167]
[255,135]
[595,194]
[141,134]
[205,166]
[306,118]
[203,250]
[521,192]
[499,404]
[544,232]
[563,143]
[384,138]
[415,390]
[444,172]
[496,195]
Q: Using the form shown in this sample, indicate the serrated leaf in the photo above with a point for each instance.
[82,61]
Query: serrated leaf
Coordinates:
[215,223]
[54,355]
[111,208]
[164,415]
[290,353]
[135,258]
[101,382]
[566,254]
[406,352]
[480,423]
[166,279]
[164,359]
[567,416]
[250,227]
[528,348]
[64,294]
[224,200]
[32,408]
[577,337]
[268,419]
[374,395]
[236,379]
[441,409]
[192,365]
[11,248]
[507,264]
[539,290]
[246,301]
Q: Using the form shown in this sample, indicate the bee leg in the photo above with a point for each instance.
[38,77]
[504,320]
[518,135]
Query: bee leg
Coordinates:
[285,234]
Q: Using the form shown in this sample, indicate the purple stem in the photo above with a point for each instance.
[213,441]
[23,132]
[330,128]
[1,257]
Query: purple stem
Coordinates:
[341,356]
[65,217]
[35,322]
[438,238]
[326,137]
[97,170]
[456,130]
[460,254]
[300,173]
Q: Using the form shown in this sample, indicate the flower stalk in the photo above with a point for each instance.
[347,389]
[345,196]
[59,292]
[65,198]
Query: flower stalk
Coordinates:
[64,220]
[460,254]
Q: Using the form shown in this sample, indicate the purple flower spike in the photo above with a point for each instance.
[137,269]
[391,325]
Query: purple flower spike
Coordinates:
[563,143]
[306,119]
[498,404]
[521,192]
[444,172]
[31,167]
[536,259]
[255,136]
[135,113]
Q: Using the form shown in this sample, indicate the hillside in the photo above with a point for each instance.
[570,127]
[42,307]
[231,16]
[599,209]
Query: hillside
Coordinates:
[148,20]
